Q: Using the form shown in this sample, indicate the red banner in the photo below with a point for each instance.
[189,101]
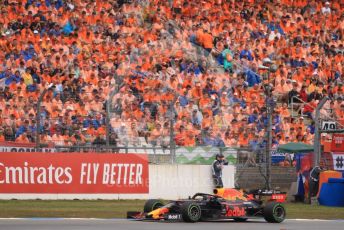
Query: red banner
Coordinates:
[73,173]
[337,143]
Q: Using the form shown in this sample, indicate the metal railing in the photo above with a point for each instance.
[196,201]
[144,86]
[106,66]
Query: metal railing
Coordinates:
[156,155]
[41,142]
[299,109]
[302,103]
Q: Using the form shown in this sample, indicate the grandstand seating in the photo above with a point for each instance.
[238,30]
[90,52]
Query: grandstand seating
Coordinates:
[202,66]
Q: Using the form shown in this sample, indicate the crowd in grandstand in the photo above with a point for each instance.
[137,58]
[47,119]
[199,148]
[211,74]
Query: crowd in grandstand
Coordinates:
[195,71]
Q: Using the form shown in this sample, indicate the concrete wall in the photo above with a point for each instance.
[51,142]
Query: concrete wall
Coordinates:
[165,181]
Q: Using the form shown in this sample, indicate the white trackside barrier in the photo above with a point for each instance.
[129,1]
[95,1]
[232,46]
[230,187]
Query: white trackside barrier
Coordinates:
[165,181]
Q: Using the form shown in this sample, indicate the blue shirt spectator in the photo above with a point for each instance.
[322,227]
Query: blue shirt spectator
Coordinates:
[252,117]
[246,53]
[183,100]
[22,129]
[252,78]
[218,142]
[68,28]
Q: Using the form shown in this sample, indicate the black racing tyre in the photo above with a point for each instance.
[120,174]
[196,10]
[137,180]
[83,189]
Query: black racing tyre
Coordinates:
[274,212]
[240,219]
[191,212]
[151,205]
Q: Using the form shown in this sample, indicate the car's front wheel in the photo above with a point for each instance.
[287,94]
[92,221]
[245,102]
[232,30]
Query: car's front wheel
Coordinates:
[151,205]
[191,212]
[274,212]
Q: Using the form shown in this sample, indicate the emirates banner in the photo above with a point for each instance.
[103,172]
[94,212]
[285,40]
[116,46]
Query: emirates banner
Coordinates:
[73,173]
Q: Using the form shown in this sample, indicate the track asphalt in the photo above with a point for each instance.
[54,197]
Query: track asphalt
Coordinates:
[122,224]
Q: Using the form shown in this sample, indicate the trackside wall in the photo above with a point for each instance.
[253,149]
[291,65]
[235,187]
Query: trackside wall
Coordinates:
[165,181]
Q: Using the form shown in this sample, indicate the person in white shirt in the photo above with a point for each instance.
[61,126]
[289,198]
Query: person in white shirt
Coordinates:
[326,9]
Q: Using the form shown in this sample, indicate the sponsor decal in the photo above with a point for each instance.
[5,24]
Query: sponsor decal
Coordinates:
[173,217]
[204,155]
[277,157]
[156,214]
[279,197]
[8,146]
[230,194]
[235,211]
[337,143]
[73,173]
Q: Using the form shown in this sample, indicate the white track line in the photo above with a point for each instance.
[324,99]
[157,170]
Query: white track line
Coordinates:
[339,220]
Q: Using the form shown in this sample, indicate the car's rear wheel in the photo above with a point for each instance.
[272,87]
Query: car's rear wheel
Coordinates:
[151,205]
[191,212]
[274,212]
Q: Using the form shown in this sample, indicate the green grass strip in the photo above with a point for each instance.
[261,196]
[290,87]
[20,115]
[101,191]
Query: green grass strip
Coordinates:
[118,209]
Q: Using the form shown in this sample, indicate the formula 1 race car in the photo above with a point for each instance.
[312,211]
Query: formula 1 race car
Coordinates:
[223,204]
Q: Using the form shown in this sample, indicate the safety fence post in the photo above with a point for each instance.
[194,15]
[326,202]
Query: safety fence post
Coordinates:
[317,132]
[108,112]
[38,118]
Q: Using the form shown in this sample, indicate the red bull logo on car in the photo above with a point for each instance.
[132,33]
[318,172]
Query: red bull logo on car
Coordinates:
[230,194]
